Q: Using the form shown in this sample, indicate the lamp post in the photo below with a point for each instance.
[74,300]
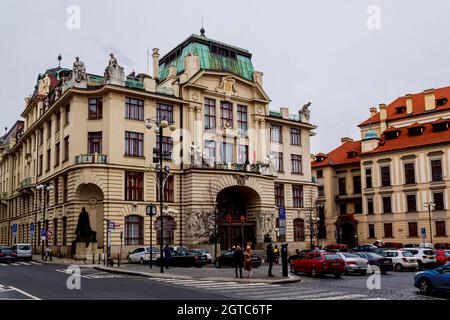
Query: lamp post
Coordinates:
[45,188]
[160,126]
[430,205]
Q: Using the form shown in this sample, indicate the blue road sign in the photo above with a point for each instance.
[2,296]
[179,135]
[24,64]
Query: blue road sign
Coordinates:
[43,233]
[282,221]
[32,229]
[14,229]
[111,225]
[423,232]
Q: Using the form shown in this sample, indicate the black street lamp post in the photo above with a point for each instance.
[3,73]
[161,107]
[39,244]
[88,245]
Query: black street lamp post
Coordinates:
[430,205]
[45,188]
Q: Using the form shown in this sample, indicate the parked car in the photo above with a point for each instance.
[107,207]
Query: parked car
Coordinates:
[426,245]
[317,263]
[185,259]
[402,259]
[226,260]
[365,248]
[374,259]
[179,248]
[442,256]
[335,247]
[7,254]
[425,257]
[142,255]
[393,245]
[442,246]
[205,252]
[436,279]
[23,251]
[354,263]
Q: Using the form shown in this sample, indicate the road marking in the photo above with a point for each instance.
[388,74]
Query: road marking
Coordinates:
[25,263]
[257,288]
[25,293]
[15,264]
[320,295]
[282,295]
[3,265]
[346,297]
[36,263]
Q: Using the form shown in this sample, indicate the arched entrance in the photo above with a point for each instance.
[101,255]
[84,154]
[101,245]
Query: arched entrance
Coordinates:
[346,229]
[237,207]
[90,196]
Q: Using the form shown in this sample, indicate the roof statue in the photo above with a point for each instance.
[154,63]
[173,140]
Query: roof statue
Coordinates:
[79,71]
[305,113]
[44,85]
[114,74]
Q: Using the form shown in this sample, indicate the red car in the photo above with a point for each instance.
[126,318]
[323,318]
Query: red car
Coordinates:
[442,256]
[316,263]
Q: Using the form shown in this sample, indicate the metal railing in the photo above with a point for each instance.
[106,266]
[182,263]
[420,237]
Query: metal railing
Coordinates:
[91,158]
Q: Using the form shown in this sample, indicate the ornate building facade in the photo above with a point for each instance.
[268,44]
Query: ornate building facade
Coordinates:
[85,136]
[393,184]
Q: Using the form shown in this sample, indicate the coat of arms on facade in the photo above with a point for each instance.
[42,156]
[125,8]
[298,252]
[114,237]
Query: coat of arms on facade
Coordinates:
[227,86]
[240,179]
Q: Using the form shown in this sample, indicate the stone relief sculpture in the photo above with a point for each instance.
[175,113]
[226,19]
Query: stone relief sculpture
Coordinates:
[305,113]
[84,232]
[114,74]
[267,164]
[227,86]
[44,85]
[266,221]
[79,71]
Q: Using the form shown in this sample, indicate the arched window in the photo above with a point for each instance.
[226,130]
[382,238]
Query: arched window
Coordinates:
[134,230]
[299,230]
[169,226]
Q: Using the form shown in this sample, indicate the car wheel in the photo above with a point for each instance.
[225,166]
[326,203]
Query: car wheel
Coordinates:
[313,273]
[383,271]
[425,286]
[338,275]
[398,267]
[363,273]
[130,261]
[141,261]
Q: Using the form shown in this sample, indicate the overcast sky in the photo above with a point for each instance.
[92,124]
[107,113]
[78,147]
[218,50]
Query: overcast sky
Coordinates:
[318,51]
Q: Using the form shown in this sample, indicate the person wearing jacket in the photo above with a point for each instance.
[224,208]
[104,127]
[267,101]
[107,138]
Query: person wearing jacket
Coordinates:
[248,254]
[238,261]
[270,258]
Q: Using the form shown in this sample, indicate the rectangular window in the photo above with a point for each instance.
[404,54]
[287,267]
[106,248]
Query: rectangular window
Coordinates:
[297,196]
[49,159]
[275,133]
[321,191]
[296,137]
[210,113]
[370,206]
[66,148]
[49,130]
[58,121]
[387,205]
[95,111]
[226,153]
[436,170]
[94,142]
[65,188]
[226,114]
[41,164]
[242,118]
[319,174]
[168,190]
[64,231]
[41,136]
[134,186]
[167,147]
[296,163]
[412,229]
[411,203]
[371,231]
[57,153]
[343,209]
[356,184]
[210,149]
[134,109]
[243,154]
[358,207]
[279,195]
[134,144]
[385,176]
[438,199]
[388,230]
[278,161]
[67,115]
[410,176]
[368,178]
[164,112]
[342,187]
[134,233]
[440,229]
[56,194]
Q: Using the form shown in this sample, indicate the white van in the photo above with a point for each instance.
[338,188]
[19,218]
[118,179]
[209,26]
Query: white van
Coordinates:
[23,251]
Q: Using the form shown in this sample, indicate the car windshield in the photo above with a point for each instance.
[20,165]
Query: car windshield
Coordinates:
[428,252]
[153,249]
[24,247]
[5,250]
[446,253]
[332,257]
[407,254]
[201,250]
[349,255]
[374,256]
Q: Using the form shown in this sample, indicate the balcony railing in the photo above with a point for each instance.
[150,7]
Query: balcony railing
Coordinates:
[252,168]
[91,158]
[26,182]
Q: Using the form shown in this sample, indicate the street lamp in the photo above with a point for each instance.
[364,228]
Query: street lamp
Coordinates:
[429,205]
[45,188]
[162,173]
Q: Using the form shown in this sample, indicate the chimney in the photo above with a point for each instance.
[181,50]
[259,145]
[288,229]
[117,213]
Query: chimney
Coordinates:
[383,116]
[172,71]
[430,99]
[409,104]
[346,139]
[373,111]
[284,112]
[155,57]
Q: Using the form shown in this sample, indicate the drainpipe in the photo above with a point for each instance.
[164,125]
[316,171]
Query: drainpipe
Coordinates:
[182,168]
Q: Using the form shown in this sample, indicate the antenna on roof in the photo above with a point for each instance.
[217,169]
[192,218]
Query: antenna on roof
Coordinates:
[202,30]
[59,60]
[147,61]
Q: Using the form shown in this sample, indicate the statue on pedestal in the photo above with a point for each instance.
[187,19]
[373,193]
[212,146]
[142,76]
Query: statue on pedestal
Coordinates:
[114,74]
[79,71]
[84,232]
[305,113]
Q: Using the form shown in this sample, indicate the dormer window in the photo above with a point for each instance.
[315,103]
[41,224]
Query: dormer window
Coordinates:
[440,127]
[389,135]
[400,109]
[415,131]
[352,154]
[440,102]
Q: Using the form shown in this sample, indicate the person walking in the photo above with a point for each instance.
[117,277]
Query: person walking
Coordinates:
[167,256]
[48,253]
[238,261]
[248,261]
[270,258]
[277,254]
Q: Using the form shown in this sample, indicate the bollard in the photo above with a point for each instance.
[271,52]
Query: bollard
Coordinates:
[284,258]
[93,258]
[118,260]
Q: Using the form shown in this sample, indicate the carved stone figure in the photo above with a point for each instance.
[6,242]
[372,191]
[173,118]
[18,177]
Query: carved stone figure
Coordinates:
[111,68]
[79,71]
[84,232]
[114,74]
[44,85]
[227,86]
[305,113]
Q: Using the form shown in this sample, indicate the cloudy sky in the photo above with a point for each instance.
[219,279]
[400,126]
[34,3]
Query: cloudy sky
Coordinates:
[336,54]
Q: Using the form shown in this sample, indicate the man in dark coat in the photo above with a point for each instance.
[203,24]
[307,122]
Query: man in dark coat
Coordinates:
[167,255]
[238,261]
[270,258]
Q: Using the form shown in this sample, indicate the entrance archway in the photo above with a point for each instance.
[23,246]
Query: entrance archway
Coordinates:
[237,207]
[91,197]
[347,234]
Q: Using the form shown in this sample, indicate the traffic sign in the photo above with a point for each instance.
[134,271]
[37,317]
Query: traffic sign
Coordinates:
[151,210]
[32,229]
[43,234]
[423,232]
[111,225]
[14,229]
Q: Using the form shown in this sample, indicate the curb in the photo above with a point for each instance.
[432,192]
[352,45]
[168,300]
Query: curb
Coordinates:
[290,279]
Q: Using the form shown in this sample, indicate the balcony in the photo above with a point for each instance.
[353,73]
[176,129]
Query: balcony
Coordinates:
[26,184]
[251,168]
[91,158]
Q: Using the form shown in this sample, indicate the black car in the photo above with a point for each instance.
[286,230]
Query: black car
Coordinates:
[385,264]
[226,260]
[185,259]
[7,255]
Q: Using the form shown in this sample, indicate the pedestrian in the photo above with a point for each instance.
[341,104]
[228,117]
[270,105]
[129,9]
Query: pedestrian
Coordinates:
[48,253]
[277,254]
[270,258]
[167,256]
[248,261]
[238,261]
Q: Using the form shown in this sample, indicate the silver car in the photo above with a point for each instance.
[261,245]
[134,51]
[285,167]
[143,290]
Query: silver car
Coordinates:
[142,255]
[354,263]
[23,251]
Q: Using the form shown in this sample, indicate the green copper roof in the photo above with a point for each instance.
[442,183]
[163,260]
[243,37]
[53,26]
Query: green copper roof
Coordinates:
[213,55]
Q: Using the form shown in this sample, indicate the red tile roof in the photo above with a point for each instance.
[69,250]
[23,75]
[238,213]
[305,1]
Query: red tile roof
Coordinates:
[418,101]
[339,156]
[404,141]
